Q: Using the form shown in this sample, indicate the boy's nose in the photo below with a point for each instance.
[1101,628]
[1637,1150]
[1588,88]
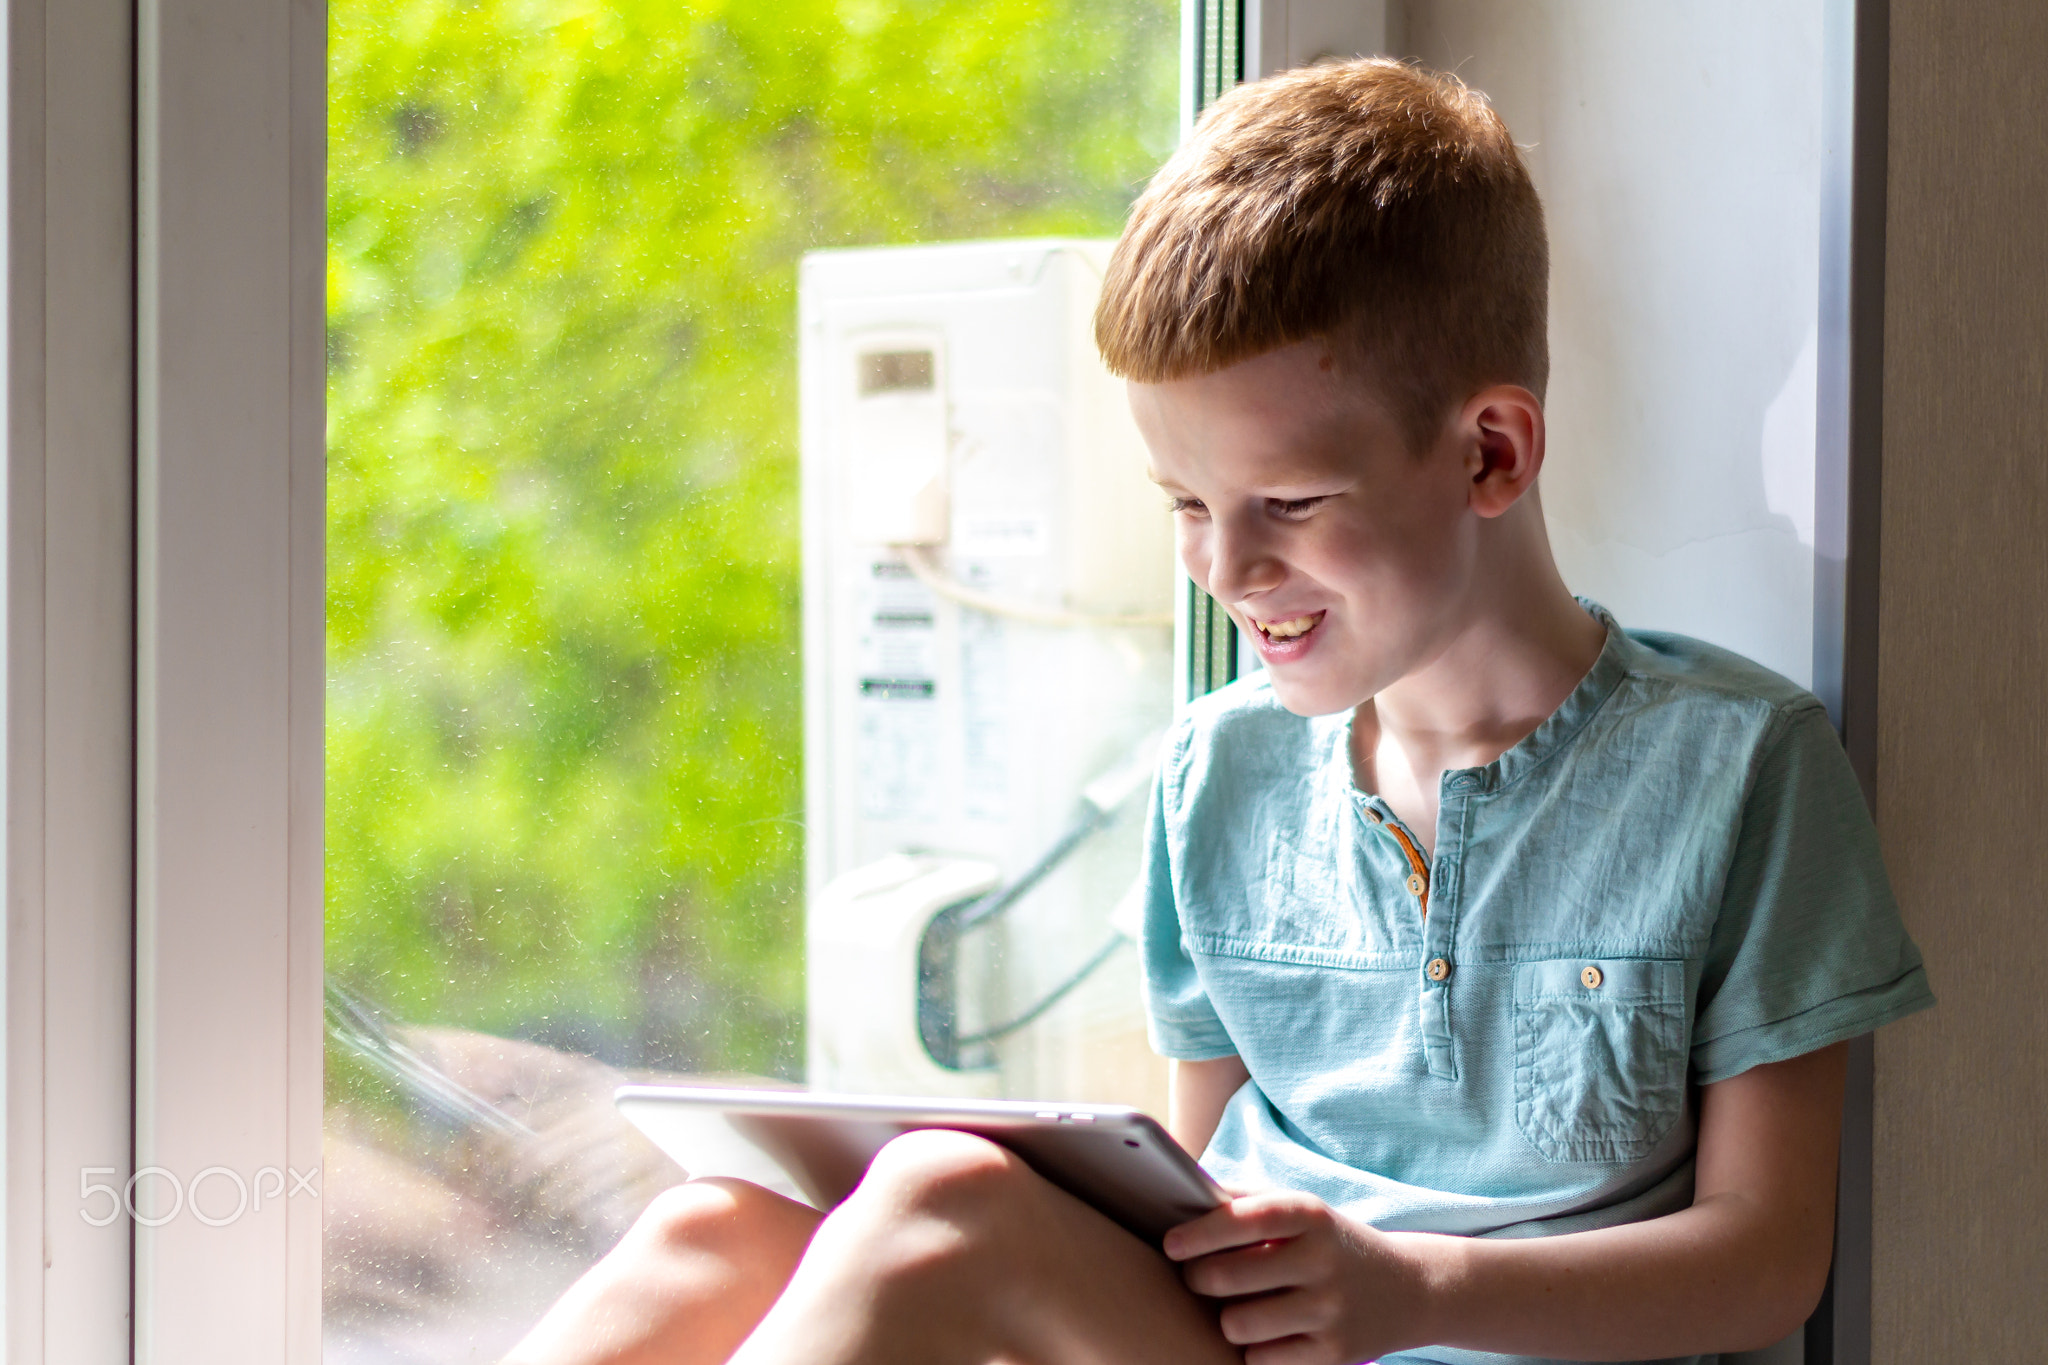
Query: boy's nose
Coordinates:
[1240,562]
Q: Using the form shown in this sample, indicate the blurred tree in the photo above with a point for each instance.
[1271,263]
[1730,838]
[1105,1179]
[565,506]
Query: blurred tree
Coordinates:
[564,769]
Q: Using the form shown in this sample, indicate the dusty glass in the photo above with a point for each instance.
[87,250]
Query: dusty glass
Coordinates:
[567,829]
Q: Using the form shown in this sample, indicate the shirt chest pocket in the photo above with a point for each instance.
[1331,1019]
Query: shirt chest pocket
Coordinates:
[1600,1056]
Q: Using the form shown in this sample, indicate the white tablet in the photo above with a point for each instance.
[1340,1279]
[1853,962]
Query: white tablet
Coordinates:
[1114,1158]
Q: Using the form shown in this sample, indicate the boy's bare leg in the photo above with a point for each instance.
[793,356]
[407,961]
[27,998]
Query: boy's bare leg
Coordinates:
[684,1287]
[953,1252]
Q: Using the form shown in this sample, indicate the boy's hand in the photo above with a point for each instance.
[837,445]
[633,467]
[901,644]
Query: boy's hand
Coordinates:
[1303,1284]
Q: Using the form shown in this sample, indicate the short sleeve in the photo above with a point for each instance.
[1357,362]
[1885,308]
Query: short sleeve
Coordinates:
[1808,948]
[1179,1018]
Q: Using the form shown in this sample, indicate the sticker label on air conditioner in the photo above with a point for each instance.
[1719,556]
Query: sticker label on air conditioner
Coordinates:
[897,752]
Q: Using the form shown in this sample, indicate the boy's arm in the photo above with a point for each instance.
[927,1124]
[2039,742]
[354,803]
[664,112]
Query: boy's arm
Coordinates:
[1195,1095]
[1738,1270]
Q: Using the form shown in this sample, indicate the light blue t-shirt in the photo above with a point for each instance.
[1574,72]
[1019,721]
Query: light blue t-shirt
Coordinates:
[1671,880]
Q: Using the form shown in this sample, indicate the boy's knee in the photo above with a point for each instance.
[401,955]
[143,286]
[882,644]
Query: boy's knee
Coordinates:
[711,1215]
[702,1263]
[933,1205]
[945,1173]
[925,1224]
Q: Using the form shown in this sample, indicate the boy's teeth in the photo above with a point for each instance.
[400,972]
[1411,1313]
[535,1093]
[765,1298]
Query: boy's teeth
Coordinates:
[1287,630]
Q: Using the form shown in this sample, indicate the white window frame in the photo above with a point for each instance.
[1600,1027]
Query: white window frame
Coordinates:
[69,672]
[231,509]
[164,197]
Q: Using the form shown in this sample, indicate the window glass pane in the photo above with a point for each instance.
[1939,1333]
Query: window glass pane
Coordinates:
[629,693]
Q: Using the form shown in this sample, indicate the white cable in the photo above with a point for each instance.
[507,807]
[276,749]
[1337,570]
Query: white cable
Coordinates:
[918,557]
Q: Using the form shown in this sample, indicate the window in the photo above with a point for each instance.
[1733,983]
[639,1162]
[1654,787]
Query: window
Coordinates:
[569,675]
[1030,119]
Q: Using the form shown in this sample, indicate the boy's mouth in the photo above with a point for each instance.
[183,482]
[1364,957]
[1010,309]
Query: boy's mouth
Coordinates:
[1288,629]
[1285,640]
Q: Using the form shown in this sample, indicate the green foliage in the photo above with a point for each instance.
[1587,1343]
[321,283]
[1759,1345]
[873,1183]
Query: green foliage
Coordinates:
[563,753]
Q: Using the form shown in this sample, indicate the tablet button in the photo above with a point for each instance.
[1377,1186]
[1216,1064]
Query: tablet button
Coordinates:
[1052,1114]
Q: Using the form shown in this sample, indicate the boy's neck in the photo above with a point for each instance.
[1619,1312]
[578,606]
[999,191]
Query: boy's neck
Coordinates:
[1524,644]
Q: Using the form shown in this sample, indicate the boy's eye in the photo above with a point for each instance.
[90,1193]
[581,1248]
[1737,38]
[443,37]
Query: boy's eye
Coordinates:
[1295,507]
[1192,506]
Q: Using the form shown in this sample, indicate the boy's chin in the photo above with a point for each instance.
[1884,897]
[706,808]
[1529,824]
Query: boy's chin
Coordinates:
[1310,696]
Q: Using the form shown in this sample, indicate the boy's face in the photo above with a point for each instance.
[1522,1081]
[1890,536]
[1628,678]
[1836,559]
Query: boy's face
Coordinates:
[1346,557]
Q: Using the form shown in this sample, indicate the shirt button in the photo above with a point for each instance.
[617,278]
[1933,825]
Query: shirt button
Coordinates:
[1591,976]
[1373,815]
[1416,886]
[1437,969]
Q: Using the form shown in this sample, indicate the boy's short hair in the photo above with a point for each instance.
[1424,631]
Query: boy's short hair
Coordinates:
[1373,202]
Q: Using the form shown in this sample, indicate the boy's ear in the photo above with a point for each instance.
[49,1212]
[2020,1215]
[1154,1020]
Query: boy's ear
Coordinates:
[1501,429]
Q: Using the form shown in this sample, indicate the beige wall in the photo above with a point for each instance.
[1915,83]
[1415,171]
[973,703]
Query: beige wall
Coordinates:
[1961,1179]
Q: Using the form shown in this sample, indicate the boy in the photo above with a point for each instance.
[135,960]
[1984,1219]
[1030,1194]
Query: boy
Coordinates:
[1506,959]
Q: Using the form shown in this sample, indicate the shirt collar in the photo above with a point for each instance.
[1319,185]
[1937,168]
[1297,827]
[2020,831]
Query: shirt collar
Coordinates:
[1561,726]
[1557,730]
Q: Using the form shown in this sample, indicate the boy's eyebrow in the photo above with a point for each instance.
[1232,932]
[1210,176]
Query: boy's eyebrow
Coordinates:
[1304,487]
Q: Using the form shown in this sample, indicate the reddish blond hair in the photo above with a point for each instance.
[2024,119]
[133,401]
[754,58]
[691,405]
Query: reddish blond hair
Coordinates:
[1372,202]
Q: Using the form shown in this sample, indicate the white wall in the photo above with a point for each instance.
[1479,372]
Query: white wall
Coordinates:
[1678,151]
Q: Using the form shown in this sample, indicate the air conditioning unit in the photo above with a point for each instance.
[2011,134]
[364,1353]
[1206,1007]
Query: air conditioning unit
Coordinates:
[988,642]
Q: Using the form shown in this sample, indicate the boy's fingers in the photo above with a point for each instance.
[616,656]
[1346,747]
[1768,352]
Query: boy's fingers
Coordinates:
[1248,1270]
[1292,1351]
[1293,1314]
[1241,1222]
